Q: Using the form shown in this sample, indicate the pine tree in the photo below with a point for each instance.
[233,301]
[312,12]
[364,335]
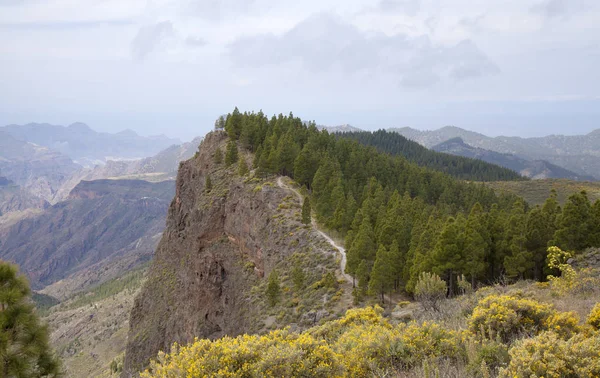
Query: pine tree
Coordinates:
[574,225]
[518,260]
[537,239]
[362,273]
[448,253]
[208,184]
[218,156]
[363,248]
[475,247]
[24,349]
[397,263]
[242,167]
[594,238]
[231,156]
[382,278]
[273,288]
[306,218]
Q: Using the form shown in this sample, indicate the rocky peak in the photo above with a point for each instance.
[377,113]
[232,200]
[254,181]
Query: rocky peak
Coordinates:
[208,275]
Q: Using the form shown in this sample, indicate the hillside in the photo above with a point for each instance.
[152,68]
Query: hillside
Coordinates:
[209,273]
[15,199]
[536,192]
[160,167]
[466,167]
[229,229]
[86,146]
[577,153]
[537,169]
[104,224]
[39,170]
[88,330]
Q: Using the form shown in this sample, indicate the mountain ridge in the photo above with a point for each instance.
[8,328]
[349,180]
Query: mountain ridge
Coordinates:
[577,153]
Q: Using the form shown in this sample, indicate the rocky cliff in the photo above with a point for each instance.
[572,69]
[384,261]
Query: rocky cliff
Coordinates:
[209,272]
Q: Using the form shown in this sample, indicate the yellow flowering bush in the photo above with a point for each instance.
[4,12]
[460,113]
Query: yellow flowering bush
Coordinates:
[564,324]
[593,318]
[277,354]
[557,259]
[509,317]
[360,344]
[549,356]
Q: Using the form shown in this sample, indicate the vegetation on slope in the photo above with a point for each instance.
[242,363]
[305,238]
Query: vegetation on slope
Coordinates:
[536,192]
[457,166]
[514,331]
[400,220]
[89,329]
[24,349]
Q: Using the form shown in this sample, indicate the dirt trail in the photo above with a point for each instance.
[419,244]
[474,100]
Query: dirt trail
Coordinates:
[316,227]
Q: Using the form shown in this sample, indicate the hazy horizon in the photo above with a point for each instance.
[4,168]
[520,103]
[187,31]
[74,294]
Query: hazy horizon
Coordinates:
[517,68]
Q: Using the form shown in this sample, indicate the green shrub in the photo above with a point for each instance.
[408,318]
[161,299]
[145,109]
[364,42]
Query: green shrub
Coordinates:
[430,290]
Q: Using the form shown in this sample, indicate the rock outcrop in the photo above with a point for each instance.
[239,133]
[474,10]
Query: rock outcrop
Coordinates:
[218,246]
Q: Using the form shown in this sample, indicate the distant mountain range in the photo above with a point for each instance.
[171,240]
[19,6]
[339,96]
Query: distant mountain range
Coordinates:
[86,146]
[101,223]
[36,168]
[535,169]
[578,153]
[346,128]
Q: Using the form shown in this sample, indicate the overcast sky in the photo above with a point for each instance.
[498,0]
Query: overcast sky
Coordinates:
[512,67]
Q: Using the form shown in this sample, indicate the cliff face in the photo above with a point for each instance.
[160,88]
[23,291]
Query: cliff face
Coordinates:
[217,246]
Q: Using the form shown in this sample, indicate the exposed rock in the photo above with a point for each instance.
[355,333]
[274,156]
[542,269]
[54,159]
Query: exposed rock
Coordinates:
[216,247]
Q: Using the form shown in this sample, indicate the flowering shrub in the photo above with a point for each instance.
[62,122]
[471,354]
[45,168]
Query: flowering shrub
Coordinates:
[509,317]
[564,324]
[548,355]
[593,318]
[278,354]
[361,344]
[557,259]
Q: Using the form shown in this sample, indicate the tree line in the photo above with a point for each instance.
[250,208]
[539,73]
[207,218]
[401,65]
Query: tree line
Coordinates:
[400,219]
[458,166]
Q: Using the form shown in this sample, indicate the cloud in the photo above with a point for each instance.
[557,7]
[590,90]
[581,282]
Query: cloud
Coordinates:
[217,10]
[64,25]
[194,41]
[323,43]
[410,7]
[151,37]
[558,8]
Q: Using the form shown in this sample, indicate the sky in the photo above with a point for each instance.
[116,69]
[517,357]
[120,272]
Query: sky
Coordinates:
[500,67]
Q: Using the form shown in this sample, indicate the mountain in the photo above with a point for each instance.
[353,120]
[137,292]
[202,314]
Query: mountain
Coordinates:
[160,167]
[86,146]
[465,168]
[104,228]
[536,169]
[577,153]
[210,268]
[38,169]
[346,128]
[15,199]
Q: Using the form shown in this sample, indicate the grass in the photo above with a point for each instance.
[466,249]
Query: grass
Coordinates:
[536,191]
[130,281]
